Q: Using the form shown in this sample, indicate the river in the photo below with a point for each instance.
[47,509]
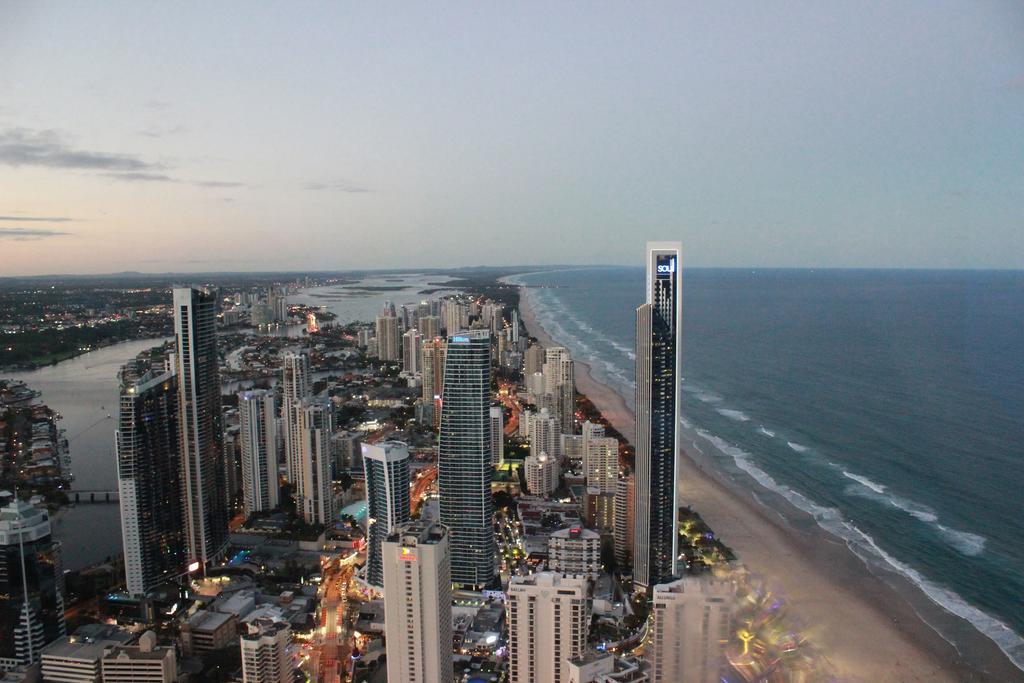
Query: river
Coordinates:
[84,390]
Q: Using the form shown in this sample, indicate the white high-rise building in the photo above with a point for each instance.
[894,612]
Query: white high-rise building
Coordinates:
[545,435]
[429,326]
[575,551]
[295,381]
[454,316]
[542,474]
[625,507]
[601,464]
[433,353]
[560,385]
[411,351]
[386,467]
[534,361]
[418,604]
[589,431]
[658,367]
[258,430]
[265,656]
[314,495]
[548,623]
[201,443]
[692,625]
[389,345]
[497,435]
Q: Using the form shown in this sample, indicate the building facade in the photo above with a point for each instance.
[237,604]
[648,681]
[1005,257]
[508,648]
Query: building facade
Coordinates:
[265,656]
[548,623]
[314,494]
[418,604]
[296,387]
[658,364]
[257,417]
[575,551]
[542,473]
[204,489]
[692,626]
[464,458]
[497,416]
[386,466]
[147,443]
[31,585]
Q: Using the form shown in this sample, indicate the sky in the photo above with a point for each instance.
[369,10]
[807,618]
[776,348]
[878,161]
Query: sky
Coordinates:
[305,136]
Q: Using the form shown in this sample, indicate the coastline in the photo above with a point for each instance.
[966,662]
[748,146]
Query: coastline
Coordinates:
[870,631]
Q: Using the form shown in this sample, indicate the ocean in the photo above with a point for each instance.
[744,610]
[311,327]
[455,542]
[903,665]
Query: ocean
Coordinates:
[889,405]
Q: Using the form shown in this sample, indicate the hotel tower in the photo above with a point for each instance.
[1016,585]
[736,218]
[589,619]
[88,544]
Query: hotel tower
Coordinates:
[658,365]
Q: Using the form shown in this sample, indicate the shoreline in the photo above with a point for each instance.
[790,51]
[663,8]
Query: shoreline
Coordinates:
[868,628]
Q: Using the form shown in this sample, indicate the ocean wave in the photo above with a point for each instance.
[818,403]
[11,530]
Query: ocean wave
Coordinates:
[831,520]
[864,481]
[799,448]
[736,415]
[963,542]
[766,432]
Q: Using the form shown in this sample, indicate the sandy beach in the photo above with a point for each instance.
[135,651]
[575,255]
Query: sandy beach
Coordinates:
[869,631]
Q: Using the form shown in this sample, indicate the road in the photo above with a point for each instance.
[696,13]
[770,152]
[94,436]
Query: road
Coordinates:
[424,482]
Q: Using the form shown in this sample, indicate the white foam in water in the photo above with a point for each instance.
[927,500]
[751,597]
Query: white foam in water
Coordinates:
[963,541]
[737,415]
[832,521]
[864,481]
[797,447]
[767,432]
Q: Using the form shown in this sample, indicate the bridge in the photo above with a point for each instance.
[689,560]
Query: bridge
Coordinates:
[94,496]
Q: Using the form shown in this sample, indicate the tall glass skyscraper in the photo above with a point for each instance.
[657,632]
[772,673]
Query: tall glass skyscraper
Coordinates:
[386,466]
[202,451]
[31,585]
[149,476]
[658,362]
[464,457]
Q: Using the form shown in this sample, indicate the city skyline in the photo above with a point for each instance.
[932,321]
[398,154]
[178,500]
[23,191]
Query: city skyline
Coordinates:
[880,136]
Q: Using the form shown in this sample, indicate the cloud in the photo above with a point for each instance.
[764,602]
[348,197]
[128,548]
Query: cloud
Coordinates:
[46,148]
[142,176]
[158,132]
[341,187]
[26,234]
[37,219]
[217,183]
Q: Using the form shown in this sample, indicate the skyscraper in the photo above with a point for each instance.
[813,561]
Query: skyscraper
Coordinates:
[149,477]
[295,382]
[418,604]
[548,623]
[692,625]
[658,362]
[541,473]
[625,516]
[433,375]
[559,383]
[601,463]
[411,351]
[264,650]
[204,488]
[545,435]
[429,326]
[258,428]
[464,458]
[31,585]
[386,466]
[497,415]
[389,345]
[314,496]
